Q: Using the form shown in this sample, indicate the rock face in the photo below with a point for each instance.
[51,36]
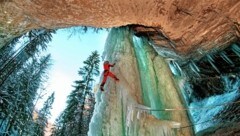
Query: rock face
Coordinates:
[186,24]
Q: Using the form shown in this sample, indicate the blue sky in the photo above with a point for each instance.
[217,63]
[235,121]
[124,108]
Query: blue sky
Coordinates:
[67,57]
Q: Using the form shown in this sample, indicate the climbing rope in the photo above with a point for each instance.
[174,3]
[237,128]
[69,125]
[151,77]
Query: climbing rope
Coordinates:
[185,109]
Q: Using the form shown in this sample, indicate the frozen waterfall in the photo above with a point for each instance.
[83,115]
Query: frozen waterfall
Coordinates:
[145,83]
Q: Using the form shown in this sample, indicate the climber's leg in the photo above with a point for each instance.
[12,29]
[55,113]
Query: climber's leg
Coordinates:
[112,76]
[103,82]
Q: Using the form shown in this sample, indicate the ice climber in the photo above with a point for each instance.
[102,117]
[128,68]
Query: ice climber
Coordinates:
[106,73]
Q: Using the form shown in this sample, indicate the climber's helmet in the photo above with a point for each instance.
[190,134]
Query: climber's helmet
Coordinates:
[106,62]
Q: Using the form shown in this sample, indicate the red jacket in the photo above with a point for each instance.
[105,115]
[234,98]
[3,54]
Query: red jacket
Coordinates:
[107,66]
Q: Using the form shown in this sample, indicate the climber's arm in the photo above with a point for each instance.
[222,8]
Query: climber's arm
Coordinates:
[112,65]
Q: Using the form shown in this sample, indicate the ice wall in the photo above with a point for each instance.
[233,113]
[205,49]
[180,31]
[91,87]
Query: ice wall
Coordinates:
[145,83]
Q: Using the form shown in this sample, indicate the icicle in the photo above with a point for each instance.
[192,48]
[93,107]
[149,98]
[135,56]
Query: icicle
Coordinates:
[236,50]
[128,117]
[236,47]
[225,58]
[178,67]
[142,107]
[194,68]
[138,114]
[175,68]
[200,51]
[132,113]
[211,60]
[210,57]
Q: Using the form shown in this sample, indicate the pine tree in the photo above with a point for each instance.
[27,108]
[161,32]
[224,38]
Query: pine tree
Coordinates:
[88,72]
[35,41]
[76,117]
[18,94]
[43,116]
[21,75]
[58,129]
[39,76]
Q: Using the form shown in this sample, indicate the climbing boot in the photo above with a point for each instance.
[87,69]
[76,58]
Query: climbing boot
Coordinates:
[116,79]
[101,88]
